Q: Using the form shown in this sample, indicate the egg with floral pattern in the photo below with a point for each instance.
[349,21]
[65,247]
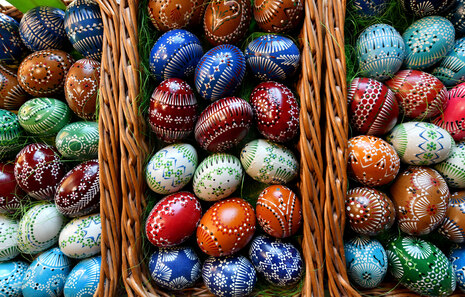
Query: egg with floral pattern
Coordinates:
[11,134]
[453,225]
[84,278]
[457,16]
[175,14]
[12,197]
[10,41]
[452,119]
[278,16]
[8,238]
[451,69]
[78,141]
[453,168]
[81,237]
[11,277]
[457,259]
[12,96]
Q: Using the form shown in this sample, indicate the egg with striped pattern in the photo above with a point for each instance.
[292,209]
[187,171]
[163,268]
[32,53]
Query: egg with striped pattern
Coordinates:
[81,237]
[452,118]
[10,41]
[12,96]
[453,225]
[451,70]
[11,277]
[11,134]
[421,8]
[78,141]
[278,16]
[453,168]
[84,278]
[8,238]
[456,15]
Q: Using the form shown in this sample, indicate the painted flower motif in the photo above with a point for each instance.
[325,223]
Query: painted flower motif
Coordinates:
[431,146]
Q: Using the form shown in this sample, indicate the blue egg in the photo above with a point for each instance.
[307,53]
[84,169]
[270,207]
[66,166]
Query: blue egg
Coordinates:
[84,27]
[380,52]
[370,8]
[231,276]
[272,57]
[421,8]
[10,41]
[457,259]
[278,262]
[175,268]
[175,55]
[11,278]
[219,72]
[427,41]
[451,71]
[366,261]
[456,16]
[47,274]
[83,280]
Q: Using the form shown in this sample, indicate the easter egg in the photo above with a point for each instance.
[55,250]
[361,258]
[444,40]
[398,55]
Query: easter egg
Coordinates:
[82,87]
[84,27]
[44,116]
[370,8]
[279,211]
[421,8]
[419,143]
[42,28]
[272,57]
[372,161]
[268,162]
[453,225]
[366,261]
[10,41]
[171,168]
[81,237]
[452,118]
[276,111]
[226,227]
[227,21]
[419,94]
[46,275]
[453,168]
[373,109]
[173,219]
[11,195]
[175,14]
[175,55]
[219,72]
[11,134]
[380,52]
[456,15]
[223,124]
[8,238]
[457,260]
[173,110]
[217,177]
[12,96]
[231,276]
[369,211]
[43,73]
[175,268]
[11,277]
[84,278]
[278,262]
[451,69]
[78,141]
[278,16]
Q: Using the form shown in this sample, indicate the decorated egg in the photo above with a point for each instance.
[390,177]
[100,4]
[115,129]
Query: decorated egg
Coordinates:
[276,111]
[44,116]
[457,16]
[451,69]
[453,168]
[82,87]
[279,211]
[11,277]
[81,237]
[226,227]
[421,8]
[175,55]
[219,72]
[453,225]
[173,219]
[43,73]
[83,280]
[11,134]
[11,195]
[457,260]
[369,211]
[12,96]
[8,238]
[372,161]
[173,110]
[78,193]
[419,143]
[223,124]
[10,41]
[175,268]
[171,168]
[452,119]
[217,177]
[366,261]
[231,276]
[380,52]
[272,57]
[78,141]
[84,27]
[370,8]
[278,16]
[175,14]
[419,94]
[373,109]
[433,275]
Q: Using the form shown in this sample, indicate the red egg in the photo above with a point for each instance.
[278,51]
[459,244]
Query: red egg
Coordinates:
[173,110]
[276,111]
[12,96]
[173,219]
[223,124]
[453,117]
[226,227]
[11,195]
[174,14]
[39,170]
[373,109]
[453,225]
[278,16]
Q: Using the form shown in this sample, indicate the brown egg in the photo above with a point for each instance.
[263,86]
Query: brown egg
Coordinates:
[43,73]
[174,14]
[12,96]
[453,226]
[278,16]
[421,196]
[81,87]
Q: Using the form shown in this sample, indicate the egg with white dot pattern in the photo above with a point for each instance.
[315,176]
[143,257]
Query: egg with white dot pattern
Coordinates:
[453,168]
[81,237]
[84,278]
[451,70]
[11,278]
[11,133]
[8,238]
[421,8]
[457,16]
[78,141]
[10,41]
[457,259]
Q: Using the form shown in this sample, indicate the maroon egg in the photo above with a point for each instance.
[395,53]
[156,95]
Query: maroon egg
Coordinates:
[39,170]
[276,111]
[11,195]
[373,109]
[173,110]
[79,191]
[223,124]
[173,219]
[453,117]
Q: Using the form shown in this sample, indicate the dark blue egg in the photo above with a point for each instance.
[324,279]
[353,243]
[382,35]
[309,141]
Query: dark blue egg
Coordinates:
[272,57]
[10,41]
[231,276]
[84,27]
[456,16]
[457,259]
[11,278]
[175,55]
[421,8]
[278,262]
[83,280]
[370,8]
[451,71]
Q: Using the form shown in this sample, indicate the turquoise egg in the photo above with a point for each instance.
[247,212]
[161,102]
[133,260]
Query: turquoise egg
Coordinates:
[10,133]
[451,71]
[83,280]
[78,141]
[11,277]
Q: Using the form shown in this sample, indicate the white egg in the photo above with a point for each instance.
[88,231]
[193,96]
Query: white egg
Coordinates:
[8,238]
[453,169]
[81,237]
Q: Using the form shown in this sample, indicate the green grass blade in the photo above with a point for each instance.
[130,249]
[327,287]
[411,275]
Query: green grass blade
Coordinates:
[25,5]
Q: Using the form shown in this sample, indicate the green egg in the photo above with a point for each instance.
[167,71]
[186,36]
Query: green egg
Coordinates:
[10,133]
[78,141]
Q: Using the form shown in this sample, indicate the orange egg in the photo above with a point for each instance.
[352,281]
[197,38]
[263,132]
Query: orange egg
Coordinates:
[453,225]
[175,14]
[12,96]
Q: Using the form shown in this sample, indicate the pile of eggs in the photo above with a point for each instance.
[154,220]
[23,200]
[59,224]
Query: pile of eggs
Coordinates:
[50,227]
[406,159]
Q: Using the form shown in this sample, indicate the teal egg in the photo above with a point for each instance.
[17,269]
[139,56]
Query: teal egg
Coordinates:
[451,71]
[78,141]
[83,280]
[10,133]
[11,277]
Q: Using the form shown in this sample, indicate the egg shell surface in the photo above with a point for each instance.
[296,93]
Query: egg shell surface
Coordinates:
[81,237]
[78,141]
[453,225]
[8,238]
[457,259]
[278,16]
[452,119]
[453,168]
[11,195]
[84,278]
[11,277]
[11,41]
[12,96]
